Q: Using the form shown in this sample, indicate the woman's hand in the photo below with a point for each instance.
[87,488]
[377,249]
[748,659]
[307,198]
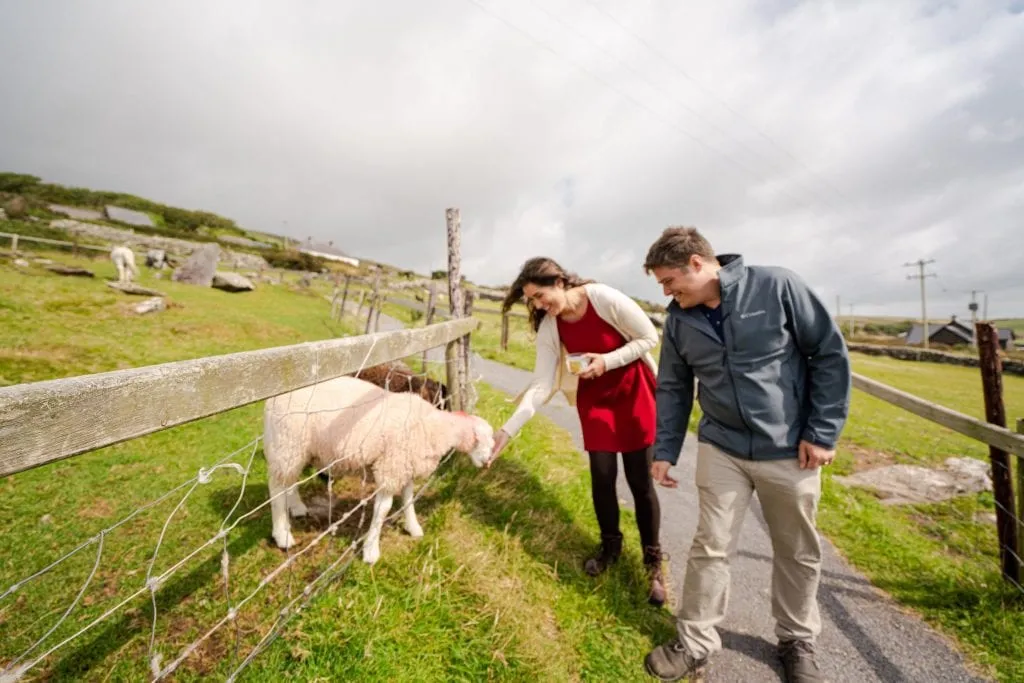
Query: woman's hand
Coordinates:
[501,439]
[596,368]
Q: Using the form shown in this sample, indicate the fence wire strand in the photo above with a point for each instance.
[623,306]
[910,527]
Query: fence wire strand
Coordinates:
[398,377]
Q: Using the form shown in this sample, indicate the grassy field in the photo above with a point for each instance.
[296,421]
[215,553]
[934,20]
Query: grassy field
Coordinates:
[941,560]
[494,591]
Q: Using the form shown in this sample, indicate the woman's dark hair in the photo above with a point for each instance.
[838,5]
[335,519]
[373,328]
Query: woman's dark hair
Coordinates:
[541,272]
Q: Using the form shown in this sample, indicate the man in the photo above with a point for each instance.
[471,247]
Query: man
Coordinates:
[774,383]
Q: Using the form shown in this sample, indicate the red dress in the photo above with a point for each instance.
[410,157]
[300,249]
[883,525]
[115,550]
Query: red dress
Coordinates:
[617,409]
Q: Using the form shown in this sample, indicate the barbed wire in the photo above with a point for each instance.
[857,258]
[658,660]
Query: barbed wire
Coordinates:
[155,579]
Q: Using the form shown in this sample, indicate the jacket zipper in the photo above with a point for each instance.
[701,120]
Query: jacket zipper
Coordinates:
[735,393]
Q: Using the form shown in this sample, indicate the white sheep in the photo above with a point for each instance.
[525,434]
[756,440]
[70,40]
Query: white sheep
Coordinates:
[124,259]
[354,424]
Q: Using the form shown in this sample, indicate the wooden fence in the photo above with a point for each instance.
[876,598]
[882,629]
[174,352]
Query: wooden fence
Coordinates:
[41,422]
[15,238]
[1003,443]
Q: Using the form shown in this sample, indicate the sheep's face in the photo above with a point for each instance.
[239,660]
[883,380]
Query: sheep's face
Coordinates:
[484,442]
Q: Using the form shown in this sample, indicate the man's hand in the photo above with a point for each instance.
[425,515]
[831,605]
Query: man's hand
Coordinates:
[596,367]
[659,473]
[501,439]
[812,456]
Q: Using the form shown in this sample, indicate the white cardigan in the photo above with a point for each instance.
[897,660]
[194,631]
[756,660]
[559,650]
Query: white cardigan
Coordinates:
[550,374]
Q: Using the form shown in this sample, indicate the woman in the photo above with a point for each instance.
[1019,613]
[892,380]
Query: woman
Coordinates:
[613,394]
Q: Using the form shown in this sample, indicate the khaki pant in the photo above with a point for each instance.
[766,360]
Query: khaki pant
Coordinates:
[789,497]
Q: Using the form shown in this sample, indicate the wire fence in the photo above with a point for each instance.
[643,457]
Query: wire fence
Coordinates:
[206,589]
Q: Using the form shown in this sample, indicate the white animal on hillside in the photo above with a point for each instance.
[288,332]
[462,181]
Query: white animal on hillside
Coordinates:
[124,260]
[354,424]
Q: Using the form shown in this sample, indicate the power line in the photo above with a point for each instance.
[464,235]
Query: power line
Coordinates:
[921,263]
[628,97]
[690,78]
[669,95]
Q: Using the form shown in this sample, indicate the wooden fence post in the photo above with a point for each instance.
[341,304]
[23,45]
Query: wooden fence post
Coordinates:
[1002,479]
[1020,495]
[373,302]
[14,245]
[431,306]
[504,330]
[469,398]
[453,351]
[344,298]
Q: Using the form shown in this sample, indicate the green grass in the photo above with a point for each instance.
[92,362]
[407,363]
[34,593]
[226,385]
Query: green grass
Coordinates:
[494,591]
[941,559]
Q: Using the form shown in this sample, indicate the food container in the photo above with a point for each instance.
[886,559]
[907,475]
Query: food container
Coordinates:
[577,363]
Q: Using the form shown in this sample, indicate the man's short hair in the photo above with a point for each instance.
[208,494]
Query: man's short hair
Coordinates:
[675,247]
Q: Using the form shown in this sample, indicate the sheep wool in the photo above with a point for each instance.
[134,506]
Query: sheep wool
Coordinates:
[349,424]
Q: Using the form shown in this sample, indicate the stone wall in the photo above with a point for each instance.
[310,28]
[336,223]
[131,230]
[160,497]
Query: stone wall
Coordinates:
[1010,366]
[172,245]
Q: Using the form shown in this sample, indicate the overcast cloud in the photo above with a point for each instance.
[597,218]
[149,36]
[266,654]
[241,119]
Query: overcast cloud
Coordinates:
[838,139]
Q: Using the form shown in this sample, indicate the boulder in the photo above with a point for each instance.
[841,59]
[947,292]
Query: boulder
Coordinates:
[156,258]
[200,267]
[132,288]
[70,270]
[150,306]
[232,282]
[903,484]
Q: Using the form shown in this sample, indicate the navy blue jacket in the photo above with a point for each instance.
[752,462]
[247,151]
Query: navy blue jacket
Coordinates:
[781,376]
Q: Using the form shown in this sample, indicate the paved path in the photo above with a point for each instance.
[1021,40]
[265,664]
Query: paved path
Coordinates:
[865,636]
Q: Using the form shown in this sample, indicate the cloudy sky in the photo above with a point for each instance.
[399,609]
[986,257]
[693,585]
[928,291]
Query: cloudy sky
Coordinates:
[841,139]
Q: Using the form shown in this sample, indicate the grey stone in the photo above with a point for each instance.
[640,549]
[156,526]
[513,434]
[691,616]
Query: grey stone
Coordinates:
[150,306]
[903,484]
[132,288]
[232,282]
[200,267]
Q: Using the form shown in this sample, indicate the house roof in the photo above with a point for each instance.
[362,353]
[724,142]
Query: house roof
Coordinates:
[954,326]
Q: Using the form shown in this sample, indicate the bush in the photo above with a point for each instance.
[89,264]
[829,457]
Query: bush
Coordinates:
[294,260]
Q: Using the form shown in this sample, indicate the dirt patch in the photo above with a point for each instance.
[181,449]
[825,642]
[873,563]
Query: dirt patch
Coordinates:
[868,459]
[99,509]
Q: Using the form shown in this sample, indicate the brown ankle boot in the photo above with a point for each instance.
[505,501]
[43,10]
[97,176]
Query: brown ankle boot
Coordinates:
[611,549]
[652,562]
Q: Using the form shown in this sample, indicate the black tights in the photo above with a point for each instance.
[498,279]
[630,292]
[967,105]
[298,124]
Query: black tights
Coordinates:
[637,465]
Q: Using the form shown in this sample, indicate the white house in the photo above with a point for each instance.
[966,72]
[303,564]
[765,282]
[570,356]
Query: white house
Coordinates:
[327,251]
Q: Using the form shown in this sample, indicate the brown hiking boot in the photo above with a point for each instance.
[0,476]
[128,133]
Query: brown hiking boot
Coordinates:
[671,662]
[655,574]
[611,549]
[798,662]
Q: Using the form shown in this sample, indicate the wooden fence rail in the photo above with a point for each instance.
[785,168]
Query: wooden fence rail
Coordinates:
[15,238]
[993,435]
[41,422]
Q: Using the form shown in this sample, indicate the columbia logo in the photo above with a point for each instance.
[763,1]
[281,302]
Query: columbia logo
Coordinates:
[744,316]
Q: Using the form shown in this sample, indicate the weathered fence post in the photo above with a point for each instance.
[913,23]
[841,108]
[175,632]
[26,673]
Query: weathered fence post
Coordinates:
[344,298]
[359,306]
[504,330]
[431,305]
[453,351]
[14,245]
[374,302]
[1002,480]
[1020,495]
[469,399]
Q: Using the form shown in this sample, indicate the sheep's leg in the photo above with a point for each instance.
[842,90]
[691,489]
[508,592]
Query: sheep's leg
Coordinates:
[381,507]
[411,523]
[295,505]
[279,514]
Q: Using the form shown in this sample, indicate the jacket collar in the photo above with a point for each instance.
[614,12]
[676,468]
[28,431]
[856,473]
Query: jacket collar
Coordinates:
[732,271]
[730,274]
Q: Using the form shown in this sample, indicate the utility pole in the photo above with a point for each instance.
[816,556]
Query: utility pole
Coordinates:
[851,321]
[973,308]
[921,263]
